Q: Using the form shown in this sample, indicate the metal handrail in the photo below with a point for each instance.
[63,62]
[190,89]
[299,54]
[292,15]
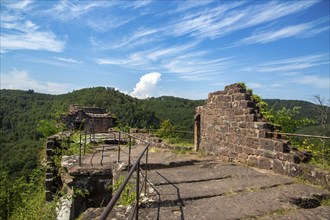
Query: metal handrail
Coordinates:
[299,135]
[135,167]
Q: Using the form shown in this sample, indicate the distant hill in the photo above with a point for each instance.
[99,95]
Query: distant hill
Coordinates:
[180,111]
[20,112]
[308,109]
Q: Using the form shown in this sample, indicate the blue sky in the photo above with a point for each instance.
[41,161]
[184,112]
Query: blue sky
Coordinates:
[187,49]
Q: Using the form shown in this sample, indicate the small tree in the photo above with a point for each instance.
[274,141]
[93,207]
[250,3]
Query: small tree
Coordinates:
[47,128]
[288,119]
[323,110]
[166,129]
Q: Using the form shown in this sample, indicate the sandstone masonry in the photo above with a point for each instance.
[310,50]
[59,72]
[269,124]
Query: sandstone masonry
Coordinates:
[230,125]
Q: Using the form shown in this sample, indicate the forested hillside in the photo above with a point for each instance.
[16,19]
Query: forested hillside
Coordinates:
[21,111]
[308,109]
[178,110]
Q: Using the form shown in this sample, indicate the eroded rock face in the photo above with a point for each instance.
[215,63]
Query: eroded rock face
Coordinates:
[230,125]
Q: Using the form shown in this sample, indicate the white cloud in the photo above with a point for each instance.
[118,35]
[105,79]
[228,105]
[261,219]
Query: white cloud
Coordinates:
[146,86]
[227,18]
[254,85]
[193,68]
[301,30]
[294,64]
[19,79]
[20,35]
[315,81]
[18,5]
[136,4]
[190,4]
[70,60]
[70,10]
[31,41]
[290,66]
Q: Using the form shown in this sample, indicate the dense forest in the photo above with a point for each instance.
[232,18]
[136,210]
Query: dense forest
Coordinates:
[22,111]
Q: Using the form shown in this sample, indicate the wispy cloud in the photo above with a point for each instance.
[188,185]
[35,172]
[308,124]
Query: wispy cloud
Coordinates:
[315,81]
[191,4]
[17,5]
[222,20]
[70,10]
[103,24]
[139,37]
[137,4]
[70,60]
[301,30]
[35,40]
[294,64]
[197,68]
[19,33]
[20,79]
[150,56]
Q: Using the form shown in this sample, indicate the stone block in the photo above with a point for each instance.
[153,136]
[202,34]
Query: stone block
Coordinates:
[267,144]
[50,145]
[265,163]
[239,90]
[247,104]
[248,151]
[226,98]
[243,124]
[283,146]
[252,133]
[241,97]
[238,111]
[250,118]
[242,140]
[252,142]
[49,196]
[49,183]
[279,146]
[248,111]
[238,149]
[243,156]
[252,161]
[233,155]
[49,175]
[269,154]
[49,158]
[279,167]
[287,157]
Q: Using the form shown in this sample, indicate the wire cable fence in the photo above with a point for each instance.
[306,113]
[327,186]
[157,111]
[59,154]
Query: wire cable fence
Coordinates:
[140,185]
[317,145]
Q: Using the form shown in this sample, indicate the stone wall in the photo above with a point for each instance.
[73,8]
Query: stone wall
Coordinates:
[90,119]
[52,181]
[230,125]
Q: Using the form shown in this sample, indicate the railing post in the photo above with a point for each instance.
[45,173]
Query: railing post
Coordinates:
[129,153]
[146,172]
[85,143]
[137,190]
[80,150]
[118,160]
[101,162]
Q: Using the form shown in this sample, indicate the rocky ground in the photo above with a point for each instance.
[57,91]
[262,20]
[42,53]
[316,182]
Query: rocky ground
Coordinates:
[194,186]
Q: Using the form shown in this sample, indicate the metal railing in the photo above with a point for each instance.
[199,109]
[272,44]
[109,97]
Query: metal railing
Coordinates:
[299,135]
[323,156]
[92,138]
[136,167]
